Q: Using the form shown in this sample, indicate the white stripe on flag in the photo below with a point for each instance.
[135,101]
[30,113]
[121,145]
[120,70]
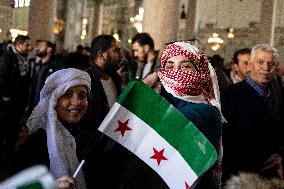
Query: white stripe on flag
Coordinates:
[141,140]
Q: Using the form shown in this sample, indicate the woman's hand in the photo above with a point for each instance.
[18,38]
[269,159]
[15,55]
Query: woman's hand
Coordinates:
[151,79]
[65,182]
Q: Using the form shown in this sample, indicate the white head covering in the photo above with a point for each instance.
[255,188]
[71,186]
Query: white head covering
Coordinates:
[60,143]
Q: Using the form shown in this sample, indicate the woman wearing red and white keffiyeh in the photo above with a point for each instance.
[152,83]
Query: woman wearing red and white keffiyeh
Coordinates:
[189,83]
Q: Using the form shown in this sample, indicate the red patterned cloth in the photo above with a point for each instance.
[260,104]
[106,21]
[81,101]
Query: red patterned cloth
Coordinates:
[187,83]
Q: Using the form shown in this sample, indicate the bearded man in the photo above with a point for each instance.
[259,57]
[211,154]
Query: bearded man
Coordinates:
[46,65]
[15,70]
[143,49]
[106,83]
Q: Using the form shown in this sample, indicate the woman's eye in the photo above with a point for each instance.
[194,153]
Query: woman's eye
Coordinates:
[67,94]
[82,96]
[187,66]
[169,66]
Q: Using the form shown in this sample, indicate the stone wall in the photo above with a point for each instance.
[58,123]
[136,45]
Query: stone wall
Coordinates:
[244,38]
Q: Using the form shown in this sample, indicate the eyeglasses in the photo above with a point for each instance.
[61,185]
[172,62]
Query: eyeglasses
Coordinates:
[191,41]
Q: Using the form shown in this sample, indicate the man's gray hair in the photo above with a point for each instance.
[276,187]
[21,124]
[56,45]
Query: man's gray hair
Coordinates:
[266,48]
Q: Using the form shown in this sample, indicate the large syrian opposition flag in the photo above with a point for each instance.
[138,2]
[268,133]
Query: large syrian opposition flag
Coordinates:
[150,127]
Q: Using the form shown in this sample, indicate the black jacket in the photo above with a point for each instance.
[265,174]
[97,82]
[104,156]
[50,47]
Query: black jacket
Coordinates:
[98,104]
[16,86]
[251,134]
[104,158]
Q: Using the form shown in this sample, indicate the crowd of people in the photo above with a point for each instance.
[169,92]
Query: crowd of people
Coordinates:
[52,104]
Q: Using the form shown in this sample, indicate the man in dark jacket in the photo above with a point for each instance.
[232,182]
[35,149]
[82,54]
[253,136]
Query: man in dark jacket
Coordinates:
[47,65]
[253,113]
[105,87]
[106,83]
[15,78]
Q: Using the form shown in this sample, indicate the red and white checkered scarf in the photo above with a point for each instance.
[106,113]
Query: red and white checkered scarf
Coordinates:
[195,84]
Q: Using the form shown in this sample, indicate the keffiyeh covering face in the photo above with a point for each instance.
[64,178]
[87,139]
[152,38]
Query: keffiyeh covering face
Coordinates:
[198,86]
[60,143]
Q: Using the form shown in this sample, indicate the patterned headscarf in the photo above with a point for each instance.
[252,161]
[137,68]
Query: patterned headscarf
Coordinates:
[61,144]
[199,86]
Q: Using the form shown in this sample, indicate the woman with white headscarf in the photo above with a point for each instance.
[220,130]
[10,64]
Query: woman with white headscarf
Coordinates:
[188,82]
[57,132]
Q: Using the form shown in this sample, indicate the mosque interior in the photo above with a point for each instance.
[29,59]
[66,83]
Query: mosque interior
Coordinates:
[216,26]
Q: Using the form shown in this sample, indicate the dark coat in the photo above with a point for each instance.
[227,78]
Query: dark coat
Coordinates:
[76,60]
[34,151]
[250,136]
[13,84]
[98,104]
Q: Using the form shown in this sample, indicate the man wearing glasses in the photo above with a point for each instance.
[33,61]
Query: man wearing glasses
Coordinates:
[253,113]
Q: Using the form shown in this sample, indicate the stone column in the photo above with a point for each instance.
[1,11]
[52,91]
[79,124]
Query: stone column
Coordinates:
[6,17]
[41,19]
[61,10]
[98,18]
[273,25]
[161,20]
[267,22]
[191,12]
[74,21]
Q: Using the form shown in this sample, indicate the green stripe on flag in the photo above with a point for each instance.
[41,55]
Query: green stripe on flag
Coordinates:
[172,125]
[32,185]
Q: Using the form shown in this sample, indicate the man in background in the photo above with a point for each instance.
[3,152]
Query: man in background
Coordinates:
[105,88]
[46,65]
[240,66]
[106,83]
[143,50]
[15,80]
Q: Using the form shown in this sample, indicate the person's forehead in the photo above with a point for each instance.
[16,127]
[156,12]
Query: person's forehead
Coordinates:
[42,43]
[243,56]
[264,56]
[77,88]
[136,45]
[177,58]
[261,53]
[26,42]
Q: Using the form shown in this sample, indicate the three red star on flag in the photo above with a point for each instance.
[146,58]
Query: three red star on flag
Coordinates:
[159,155]
[122,127]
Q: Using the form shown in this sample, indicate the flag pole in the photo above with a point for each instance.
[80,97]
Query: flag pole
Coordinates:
[79,168]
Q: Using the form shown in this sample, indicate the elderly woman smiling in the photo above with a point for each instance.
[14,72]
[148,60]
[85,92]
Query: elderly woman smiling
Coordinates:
[56,127]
